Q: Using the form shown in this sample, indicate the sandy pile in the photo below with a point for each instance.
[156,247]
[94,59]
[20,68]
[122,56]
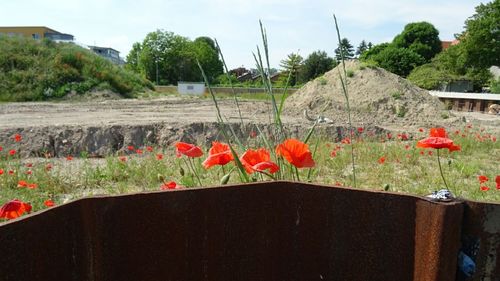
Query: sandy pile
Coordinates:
[376,97]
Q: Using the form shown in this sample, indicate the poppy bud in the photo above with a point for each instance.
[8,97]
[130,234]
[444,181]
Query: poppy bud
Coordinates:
[161,178]
[386,187]
[225,179]
[181,171]
[449,162]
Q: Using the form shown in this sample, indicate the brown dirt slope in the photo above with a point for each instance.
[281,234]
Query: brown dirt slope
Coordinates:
[376,97]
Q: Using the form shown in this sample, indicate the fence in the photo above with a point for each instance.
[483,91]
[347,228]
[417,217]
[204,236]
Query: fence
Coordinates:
[263,231]
[228,90]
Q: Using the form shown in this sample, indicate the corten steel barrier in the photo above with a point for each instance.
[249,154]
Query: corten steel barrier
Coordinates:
[481,239]
[263,231]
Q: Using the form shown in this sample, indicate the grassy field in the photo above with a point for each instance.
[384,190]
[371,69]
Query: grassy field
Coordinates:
[382,163]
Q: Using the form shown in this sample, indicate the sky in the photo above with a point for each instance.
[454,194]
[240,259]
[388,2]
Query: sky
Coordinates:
[292,26]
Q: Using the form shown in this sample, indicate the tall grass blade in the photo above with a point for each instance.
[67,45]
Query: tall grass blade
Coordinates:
[222,127]
[346,95]
[230,82]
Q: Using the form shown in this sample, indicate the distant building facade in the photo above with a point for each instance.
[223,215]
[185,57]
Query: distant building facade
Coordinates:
[108,53]
[37,33]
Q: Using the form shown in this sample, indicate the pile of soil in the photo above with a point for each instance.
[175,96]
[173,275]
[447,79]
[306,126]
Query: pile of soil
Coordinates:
[376,97]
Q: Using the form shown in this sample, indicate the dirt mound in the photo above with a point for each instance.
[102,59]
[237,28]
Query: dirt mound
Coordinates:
[376,96]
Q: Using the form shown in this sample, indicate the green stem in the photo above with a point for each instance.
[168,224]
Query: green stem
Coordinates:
[297,173]
[441,171]
[191,166]
[343,82]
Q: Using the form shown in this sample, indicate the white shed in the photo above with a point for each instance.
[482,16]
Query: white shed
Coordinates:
[191,88]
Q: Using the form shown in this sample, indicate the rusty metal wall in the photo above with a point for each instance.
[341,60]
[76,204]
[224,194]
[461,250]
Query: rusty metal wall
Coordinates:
[265,231]
[481,239]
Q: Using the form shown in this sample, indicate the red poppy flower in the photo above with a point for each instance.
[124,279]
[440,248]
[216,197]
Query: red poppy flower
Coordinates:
[1,172]
[381,160]
[360,130]
[333,153]
[149,148]
[407,146]
[484,188]
[421,130]
[169,185]
[1,148]
[12,152]
[32,185]
[29,165]
[219,154]
[482,179]
[138,151]
[29,172]
[159,156]
[131,148]
[296,152]
[69,157]
[11,172]
[190,150]
[430,153]
[346,141]
[14,209]
[49,203]
[17,138]
[122,158]
[389,136]
[493,139]
[253,134]
[258,160]
[48,167]
[22,183]
[497,180]
[403,137]
[438,139]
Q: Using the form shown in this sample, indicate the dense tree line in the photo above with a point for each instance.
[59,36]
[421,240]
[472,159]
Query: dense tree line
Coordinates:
[166,58]
[478,49]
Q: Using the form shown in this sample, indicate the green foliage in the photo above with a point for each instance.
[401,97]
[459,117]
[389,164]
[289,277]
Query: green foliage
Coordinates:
[350,73]
[315,65]
[372,52]
[397,95]
[363,47]
[495,86]
[169,58]
[481,36]
[420,37]
[293,64]
[429,76]
[347,49]
[400,61]
[39,70]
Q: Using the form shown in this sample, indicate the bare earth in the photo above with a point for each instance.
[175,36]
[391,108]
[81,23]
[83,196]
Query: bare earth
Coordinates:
[380,101]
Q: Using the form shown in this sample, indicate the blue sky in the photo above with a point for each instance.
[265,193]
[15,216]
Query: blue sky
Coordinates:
[293,25]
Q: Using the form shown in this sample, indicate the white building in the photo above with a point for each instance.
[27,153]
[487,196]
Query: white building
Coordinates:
[191,88]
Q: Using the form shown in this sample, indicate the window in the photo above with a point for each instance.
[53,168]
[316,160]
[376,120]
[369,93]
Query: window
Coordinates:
[35,36]
[190,87]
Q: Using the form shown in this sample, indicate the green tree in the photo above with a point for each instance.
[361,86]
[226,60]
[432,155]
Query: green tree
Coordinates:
[373,51]
[169,58]
[293,64]
[315,65]
[347,49]
[481,38]
[420,37]
[363,46]
[400,61]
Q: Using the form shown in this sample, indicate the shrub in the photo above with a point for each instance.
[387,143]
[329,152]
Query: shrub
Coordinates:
[33,70]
